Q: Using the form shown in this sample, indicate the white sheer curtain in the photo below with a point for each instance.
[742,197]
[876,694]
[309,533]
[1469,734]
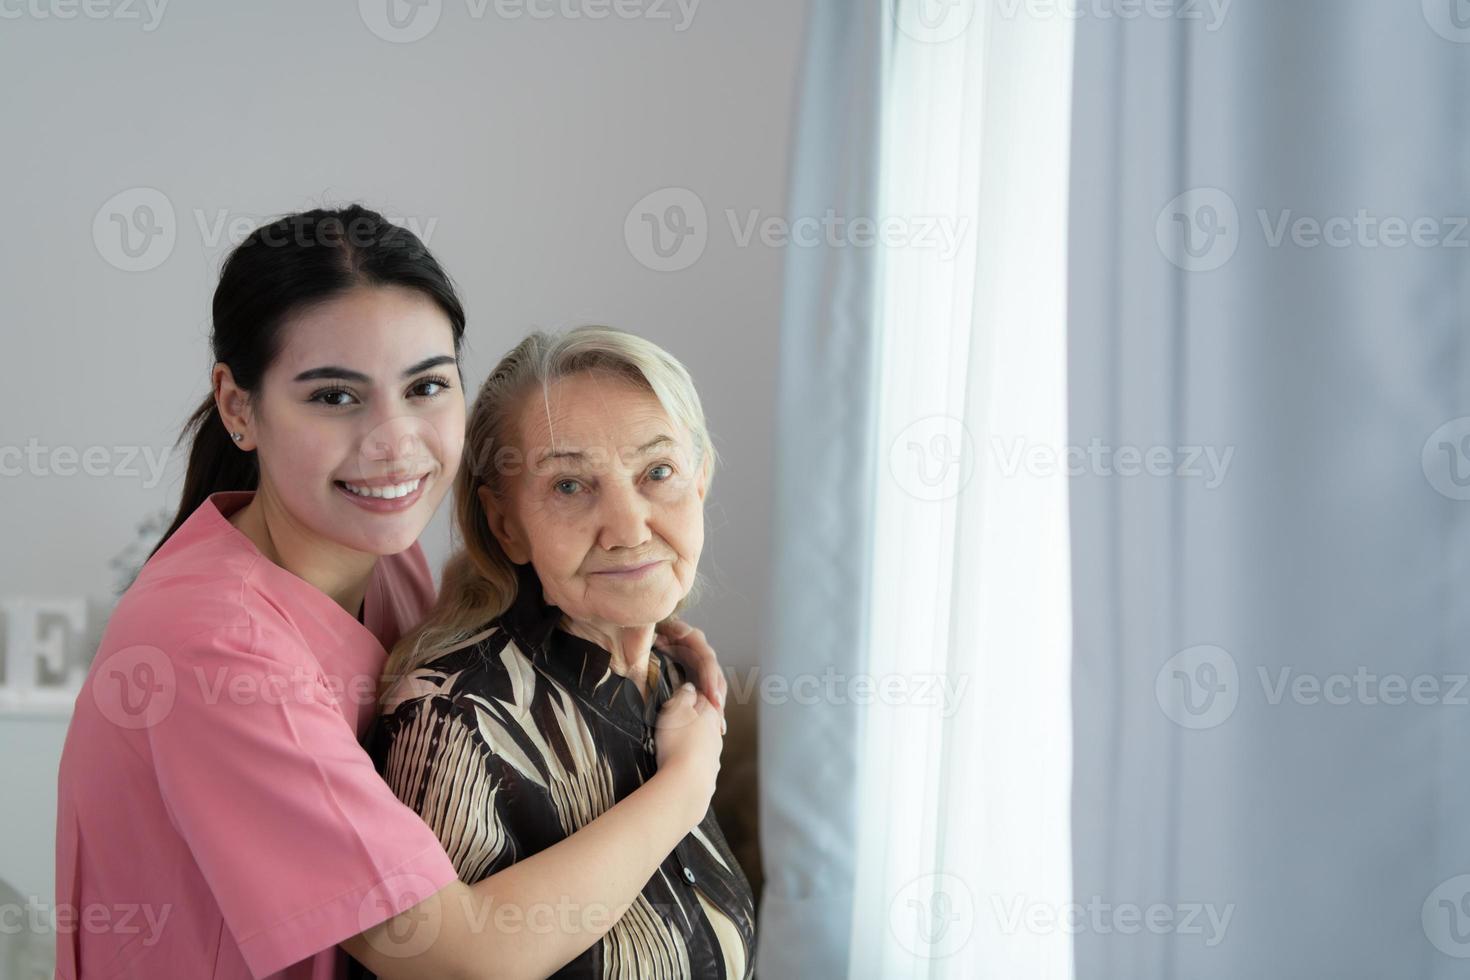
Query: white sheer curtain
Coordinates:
[964,837]
[915,822]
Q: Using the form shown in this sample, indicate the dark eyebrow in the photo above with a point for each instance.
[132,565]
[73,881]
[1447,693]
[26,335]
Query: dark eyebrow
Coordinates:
[346,374]
[656,442]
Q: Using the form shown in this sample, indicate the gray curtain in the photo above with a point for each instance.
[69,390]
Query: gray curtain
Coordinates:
[1238,744]
[823,504]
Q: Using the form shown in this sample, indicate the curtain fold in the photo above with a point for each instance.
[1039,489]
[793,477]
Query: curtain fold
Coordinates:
[1246,759]
[823,508]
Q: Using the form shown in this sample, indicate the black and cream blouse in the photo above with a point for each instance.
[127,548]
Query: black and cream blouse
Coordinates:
[511,743]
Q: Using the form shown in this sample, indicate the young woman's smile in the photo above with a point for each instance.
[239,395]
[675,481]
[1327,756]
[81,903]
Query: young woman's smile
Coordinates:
[387,496]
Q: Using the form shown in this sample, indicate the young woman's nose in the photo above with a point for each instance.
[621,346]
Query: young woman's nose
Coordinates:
[397,442]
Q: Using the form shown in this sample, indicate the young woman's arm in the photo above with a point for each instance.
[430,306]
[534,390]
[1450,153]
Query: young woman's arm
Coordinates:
[541,912]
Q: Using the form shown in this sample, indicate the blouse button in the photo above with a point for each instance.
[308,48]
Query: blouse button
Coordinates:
[689,876]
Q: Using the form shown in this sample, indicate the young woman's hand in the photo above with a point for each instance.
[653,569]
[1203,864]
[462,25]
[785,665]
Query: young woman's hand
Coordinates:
[688,646]
[688,740]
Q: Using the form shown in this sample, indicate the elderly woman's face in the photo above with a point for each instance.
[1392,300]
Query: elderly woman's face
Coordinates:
[608,504]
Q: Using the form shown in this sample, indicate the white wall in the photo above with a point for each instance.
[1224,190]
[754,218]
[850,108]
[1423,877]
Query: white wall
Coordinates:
[518,143]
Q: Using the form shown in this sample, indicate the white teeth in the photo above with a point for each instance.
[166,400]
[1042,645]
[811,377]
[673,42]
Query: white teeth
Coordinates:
[387,493]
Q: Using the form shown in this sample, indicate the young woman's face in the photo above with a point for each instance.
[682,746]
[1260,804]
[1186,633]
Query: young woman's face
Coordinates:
[359,422]
[606,502]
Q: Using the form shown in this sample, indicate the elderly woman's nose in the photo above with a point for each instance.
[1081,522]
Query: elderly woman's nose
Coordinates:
[624,514]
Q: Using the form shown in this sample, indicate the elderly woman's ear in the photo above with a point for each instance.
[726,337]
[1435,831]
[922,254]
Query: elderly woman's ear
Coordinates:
[505,529]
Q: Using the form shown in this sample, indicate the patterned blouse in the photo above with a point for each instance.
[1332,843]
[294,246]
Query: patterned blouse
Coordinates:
[509,744]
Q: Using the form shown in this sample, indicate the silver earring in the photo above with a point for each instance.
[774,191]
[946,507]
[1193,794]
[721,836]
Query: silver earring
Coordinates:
[238,435]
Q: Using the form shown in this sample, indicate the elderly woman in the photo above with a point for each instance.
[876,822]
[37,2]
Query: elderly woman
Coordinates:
[533,699]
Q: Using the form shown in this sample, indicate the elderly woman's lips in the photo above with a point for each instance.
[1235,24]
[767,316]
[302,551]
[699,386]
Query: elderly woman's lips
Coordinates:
[629,571]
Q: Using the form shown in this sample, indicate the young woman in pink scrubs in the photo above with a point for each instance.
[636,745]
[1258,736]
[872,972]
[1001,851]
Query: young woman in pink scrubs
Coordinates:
[217,816]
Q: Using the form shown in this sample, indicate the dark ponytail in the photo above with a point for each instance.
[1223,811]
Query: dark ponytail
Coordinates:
[278,269]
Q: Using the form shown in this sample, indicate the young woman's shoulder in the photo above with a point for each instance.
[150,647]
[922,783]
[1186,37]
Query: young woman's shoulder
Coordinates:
[184,600]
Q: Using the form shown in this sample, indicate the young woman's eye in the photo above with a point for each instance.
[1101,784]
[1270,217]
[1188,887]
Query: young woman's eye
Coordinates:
[436,386]
[665,468]
[329,396]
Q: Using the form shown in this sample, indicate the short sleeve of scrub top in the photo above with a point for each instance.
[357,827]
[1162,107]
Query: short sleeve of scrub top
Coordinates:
[212,771]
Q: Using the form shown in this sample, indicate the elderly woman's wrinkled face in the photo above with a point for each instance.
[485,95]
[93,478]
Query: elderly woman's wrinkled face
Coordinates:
[605,498]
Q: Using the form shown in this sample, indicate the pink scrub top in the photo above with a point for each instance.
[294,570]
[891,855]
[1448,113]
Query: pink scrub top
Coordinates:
[216,814]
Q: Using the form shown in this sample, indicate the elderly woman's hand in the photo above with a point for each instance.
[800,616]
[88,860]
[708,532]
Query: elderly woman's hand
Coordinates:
[688,646]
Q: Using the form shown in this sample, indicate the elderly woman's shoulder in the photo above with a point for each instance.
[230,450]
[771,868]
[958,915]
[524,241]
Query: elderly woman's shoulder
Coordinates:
[446,672]
[487,665]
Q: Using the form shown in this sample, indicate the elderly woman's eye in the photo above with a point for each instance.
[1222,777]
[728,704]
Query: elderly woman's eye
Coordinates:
[668,472]
[566,487]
